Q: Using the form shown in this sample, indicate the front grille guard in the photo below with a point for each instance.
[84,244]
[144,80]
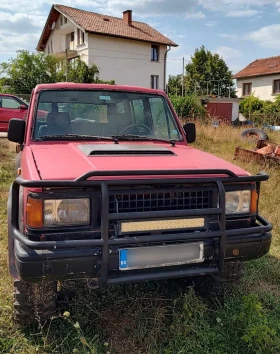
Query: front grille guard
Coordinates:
[105,242]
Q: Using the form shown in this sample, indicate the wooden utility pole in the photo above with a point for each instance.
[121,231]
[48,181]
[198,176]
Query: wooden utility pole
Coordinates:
[183,77]
[66,65]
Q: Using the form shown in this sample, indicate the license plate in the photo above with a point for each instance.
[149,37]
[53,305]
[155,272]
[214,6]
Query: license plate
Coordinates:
[160,256]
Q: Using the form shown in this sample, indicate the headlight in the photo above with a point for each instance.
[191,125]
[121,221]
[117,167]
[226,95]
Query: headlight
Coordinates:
[66,212]
[238,202]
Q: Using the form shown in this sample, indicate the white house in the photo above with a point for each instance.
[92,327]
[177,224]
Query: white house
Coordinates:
[127,51]
[260,78]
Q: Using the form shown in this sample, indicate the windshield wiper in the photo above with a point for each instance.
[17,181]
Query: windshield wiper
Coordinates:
[72,137]
[140,137]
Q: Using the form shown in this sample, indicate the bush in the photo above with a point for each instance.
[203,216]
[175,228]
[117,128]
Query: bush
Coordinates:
[250,105]
[188,107]
[261,112]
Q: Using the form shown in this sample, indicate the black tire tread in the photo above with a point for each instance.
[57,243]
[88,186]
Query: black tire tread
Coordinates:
[34,302]
[261,134]
[214,286]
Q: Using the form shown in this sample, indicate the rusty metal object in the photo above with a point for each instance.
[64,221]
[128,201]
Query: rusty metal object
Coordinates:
[264,152]
[235,252]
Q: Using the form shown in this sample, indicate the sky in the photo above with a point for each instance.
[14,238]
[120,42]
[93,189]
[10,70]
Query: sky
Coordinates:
[241,31]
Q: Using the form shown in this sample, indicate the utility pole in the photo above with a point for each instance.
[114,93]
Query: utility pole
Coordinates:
[183,77]
[66,65]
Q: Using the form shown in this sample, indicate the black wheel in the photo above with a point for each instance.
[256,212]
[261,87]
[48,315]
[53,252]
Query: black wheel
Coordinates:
[215,285]
[254,134]
[34,303]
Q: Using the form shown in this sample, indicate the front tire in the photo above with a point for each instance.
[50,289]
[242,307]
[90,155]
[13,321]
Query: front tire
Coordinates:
[34,303]
[214,286]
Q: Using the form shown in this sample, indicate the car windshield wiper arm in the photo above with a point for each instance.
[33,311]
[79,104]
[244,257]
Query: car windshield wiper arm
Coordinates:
[72,137]
[140,137]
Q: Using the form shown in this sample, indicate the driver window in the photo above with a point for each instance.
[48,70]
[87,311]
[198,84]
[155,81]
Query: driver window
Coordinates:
[139,114]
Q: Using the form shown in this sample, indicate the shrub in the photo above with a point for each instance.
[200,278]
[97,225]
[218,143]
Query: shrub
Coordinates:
[188,107]
[250,105]
[261,112]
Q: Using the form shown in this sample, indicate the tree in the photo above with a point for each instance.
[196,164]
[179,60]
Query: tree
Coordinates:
[174,85]
[29,69]
[208,74]
[80,72]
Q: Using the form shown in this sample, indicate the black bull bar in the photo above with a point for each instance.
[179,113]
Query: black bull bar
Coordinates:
[219,177]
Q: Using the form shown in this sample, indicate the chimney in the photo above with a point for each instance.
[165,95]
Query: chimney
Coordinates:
[127,17]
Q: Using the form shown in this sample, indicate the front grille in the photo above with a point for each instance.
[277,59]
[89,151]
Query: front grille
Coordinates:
[160,201]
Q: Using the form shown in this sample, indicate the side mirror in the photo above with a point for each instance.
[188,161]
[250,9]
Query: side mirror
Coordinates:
[16,130]
[22,107]
[190,132]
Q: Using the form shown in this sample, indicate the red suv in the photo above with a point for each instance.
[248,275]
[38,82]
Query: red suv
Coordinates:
[11,107]
[110,190]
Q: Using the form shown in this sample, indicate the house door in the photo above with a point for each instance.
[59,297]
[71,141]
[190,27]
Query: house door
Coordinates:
[220,110]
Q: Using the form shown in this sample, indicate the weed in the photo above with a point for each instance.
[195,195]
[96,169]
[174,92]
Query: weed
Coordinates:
[158,317]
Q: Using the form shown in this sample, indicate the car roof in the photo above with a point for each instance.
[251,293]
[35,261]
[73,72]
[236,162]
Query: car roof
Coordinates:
[7,94]
[75,86]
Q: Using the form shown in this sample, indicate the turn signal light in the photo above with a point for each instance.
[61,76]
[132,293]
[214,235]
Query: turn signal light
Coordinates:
[254,201]
[34,213]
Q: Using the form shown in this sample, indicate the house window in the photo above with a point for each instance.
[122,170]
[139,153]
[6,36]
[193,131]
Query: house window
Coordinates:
[65,19]
[155,53]
[81,37]
[276,86]
[61,20]
[247,89]
[51,47]
[48,49]
[154,81]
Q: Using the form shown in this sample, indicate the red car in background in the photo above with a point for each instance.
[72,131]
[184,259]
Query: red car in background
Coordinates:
[12,106]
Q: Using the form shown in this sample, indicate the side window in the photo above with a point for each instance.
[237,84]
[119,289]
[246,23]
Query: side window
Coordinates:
[8,102]
[164,125]
[139,114]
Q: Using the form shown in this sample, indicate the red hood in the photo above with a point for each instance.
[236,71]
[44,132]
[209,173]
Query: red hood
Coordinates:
[66,161]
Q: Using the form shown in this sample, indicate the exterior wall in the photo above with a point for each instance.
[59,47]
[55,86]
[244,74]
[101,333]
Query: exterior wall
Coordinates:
[128,62]
[59,41]
[235,110]
[261,86]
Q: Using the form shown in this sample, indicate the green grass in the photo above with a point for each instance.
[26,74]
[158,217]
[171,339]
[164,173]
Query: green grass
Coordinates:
[158,317]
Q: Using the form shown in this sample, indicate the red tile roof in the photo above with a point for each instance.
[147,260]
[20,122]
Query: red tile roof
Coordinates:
[260,67]
[103,24]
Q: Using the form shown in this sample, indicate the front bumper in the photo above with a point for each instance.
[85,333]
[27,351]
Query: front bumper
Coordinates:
[70,263]
[97,259]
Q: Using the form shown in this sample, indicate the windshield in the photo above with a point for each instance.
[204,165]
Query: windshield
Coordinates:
[104,114]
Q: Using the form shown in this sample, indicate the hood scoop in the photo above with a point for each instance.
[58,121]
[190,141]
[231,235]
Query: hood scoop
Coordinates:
[123,150]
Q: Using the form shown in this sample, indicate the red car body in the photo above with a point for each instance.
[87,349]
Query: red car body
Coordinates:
[12,106]
[195,182]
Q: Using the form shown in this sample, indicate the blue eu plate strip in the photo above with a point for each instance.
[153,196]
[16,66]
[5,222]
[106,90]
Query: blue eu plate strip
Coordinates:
[123,259]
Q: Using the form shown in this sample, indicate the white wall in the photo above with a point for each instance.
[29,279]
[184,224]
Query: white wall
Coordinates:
[58,38]
[128,62]
[235,111]
[261,86]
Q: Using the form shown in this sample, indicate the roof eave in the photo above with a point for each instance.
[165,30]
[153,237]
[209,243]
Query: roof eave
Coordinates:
[57,9]
[39,45]
[172,44]
[254,75]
